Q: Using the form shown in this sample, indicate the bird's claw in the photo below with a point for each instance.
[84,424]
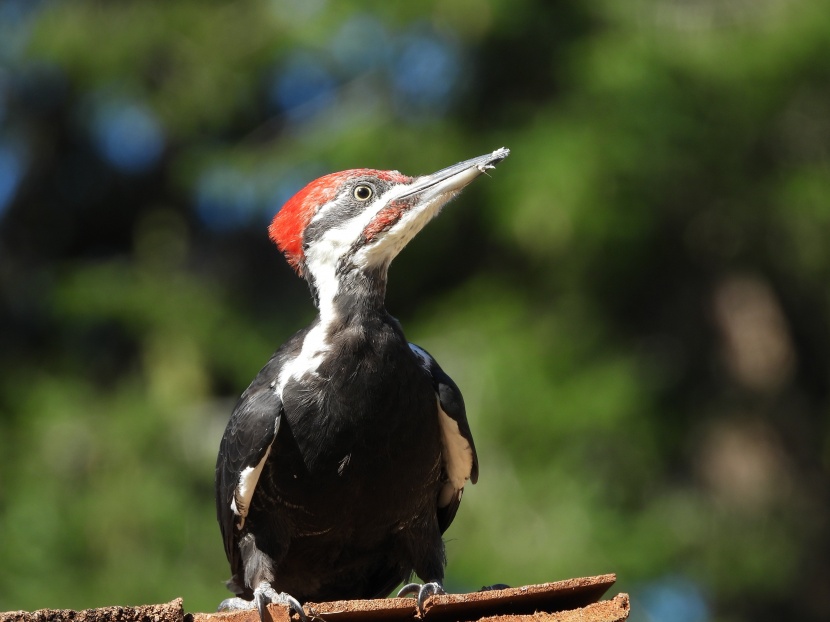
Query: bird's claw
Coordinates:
[423,592]
[263,595]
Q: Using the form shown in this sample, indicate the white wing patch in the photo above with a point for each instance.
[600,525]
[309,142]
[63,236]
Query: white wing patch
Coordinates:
[248,478]
[458,457]
[245,489]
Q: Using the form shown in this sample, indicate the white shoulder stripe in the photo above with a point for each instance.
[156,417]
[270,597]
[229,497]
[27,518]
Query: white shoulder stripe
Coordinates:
[312,351]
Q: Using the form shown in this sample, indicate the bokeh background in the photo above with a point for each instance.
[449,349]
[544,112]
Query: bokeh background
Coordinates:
[636,304]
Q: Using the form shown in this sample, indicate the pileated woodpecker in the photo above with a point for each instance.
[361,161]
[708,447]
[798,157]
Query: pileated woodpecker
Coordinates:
[344,461]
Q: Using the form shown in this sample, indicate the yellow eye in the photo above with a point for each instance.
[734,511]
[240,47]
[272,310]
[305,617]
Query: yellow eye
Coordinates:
[363,192]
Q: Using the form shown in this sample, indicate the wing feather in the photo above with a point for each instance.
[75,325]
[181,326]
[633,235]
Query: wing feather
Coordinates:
[243,451]
[459,451]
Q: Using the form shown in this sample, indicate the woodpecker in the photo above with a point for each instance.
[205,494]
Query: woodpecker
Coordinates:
[345,460]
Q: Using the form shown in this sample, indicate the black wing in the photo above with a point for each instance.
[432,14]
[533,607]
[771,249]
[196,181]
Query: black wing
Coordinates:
[245,447]
[459,451]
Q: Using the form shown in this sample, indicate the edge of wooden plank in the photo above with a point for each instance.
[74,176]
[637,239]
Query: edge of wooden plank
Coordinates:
[613,610]
[166,612]
[549,597]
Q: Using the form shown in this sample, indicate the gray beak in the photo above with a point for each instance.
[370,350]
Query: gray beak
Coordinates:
[453,178]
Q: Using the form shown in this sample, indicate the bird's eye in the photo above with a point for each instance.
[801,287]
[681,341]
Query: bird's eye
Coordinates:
[362,192]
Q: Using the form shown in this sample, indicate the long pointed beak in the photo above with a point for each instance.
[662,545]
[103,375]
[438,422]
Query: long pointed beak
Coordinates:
[397,218]
[452,179]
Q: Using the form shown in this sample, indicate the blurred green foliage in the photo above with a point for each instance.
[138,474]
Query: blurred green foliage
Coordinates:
[636,305]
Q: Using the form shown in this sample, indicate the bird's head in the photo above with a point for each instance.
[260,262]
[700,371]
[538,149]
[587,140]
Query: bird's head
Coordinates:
[348,226]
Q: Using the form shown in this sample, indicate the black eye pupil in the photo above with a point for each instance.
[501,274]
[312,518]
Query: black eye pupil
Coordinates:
[362,192]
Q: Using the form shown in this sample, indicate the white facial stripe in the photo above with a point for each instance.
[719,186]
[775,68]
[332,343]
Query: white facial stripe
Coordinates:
[325,209]
[458,455]
[321,259]
[365,216]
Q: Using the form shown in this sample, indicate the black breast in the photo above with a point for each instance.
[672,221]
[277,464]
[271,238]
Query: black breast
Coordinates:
[355,471]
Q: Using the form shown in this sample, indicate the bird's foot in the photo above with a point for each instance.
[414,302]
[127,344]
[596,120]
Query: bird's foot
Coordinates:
[423,592]
[234,604]
[264,594]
